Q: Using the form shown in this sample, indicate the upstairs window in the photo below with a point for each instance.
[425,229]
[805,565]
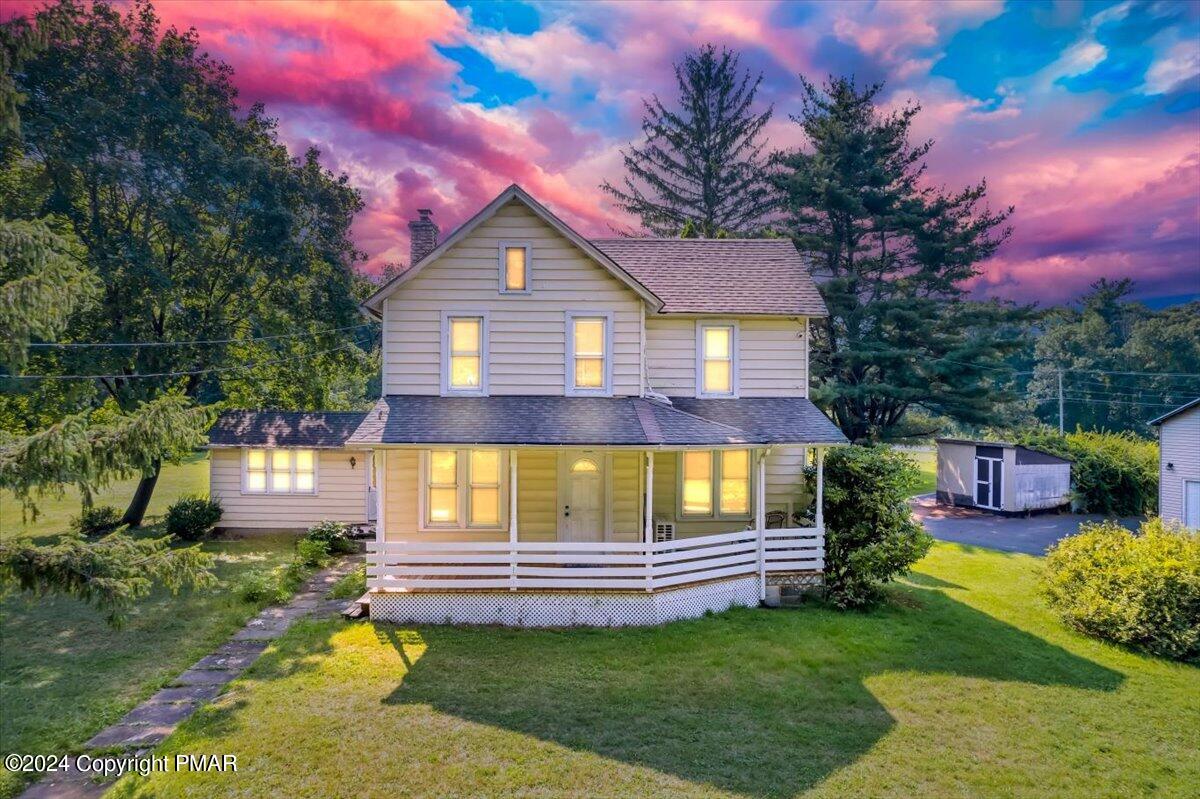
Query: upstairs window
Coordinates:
[589,353]
[515,260]
[279,471]
[463,488]
[716,359]
[464,354]
[714,485]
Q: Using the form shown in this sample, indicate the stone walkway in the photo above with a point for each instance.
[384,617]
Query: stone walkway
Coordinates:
[148,724]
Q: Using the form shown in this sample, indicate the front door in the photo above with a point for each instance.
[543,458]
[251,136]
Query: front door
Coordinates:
[988,482]
[583,498]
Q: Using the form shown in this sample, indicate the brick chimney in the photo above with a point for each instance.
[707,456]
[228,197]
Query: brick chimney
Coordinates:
[424,236]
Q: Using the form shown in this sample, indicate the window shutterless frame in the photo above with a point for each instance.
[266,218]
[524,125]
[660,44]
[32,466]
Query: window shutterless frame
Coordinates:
[464,483]
[720,360]
[297,459]
[521,274]
[573,354]
[448,352]
[716,478]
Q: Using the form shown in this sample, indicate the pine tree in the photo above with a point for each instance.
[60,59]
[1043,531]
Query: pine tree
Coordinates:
[891,254]
[700,168]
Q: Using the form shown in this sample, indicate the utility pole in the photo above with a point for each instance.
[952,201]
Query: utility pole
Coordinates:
[1060,403]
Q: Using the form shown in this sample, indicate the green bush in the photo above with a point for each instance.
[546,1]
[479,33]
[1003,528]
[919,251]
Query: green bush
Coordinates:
[263,585]
[311,552]
[97,520]
[1111,473]
[870,535]
[335,534]
[352,585]
[1139,590]
[192,518]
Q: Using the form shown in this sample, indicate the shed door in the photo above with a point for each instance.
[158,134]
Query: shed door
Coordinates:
[988,482]
[1191,503]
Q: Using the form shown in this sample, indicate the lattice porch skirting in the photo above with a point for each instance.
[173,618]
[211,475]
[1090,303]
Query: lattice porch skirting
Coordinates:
[564,608]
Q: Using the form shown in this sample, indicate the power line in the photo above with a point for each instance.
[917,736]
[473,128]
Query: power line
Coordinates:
[114,344]
[179,374]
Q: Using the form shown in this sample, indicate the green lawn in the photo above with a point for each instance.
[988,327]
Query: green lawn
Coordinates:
[190,477]
[964,685]
[927,463]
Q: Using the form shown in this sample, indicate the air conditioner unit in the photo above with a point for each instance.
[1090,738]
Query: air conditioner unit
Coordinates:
[664,530]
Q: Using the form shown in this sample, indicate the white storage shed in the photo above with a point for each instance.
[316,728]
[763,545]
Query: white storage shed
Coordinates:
[1000,477]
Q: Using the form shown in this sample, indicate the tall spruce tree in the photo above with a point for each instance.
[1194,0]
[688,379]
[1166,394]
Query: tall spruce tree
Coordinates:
[890,254]
[198,222]
[700,169]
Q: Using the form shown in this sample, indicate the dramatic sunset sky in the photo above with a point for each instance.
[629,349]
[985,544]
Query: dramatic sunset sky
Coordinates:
[1085,116]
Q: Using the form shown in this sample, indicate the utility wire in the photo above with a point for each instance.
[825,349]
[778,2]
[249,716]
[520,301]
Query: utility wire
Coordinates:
[89,344]
[178,374]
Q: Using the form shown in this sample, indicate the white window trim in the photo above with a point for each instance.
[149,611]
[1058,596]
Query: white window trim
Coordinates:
[528,247]
[462,478]
[267,492]
[569,386]
[446,389]
[714,489]
[734,358]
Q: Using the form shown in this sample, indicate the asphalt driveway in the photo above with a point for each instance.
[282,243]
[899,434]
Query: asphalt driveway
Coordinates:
[1032,535]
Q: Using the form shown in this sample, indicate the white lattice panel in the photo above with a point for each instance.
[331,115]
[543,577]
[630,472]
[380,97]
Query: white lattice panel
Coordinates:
[564,609]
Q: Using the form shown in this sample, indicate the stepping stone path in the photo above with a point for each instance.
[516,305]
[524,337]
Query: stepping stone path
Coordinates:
[148,724]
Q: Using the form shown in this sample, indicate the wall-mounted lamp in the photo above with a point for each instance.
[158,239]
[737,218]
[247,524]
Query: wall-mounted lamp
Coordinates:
[353,461]
[1170,467]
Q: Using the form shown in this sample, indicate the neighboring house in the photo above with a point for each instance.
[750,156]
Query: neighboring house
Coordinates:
[573,431]
[1000,477]
[1179,464]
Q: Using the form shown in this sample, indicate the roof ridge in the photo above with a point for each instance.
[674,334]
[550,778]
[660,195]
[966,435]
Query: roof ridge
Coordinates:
[645,417]
[704,419]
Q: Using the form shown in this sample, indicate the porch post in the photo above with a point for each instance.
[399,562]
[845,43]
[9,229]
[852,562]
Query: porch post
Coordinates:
[760,522]
[512,520]
[380,466]
[820,489]
[649,531]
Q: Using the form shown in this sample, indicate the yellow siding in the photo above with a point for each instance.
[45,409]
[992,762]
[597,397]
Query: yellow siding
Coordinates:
[537,495]
[626,496]
[771,356]
[341,493]
[527,332]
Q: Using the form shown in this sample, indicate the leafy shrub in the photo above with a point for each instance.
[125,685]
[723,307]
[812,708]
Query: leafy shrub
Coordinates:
[1139,590]
[335,534]
[870,535]
[311,552]
[97,520]
[352,585]
[192,518]
[263,585]
[1111,473]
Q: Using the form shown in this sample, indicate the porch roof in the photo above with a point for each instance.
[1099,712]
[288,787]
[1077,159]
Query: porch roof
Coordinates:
[309,429]
[578,421]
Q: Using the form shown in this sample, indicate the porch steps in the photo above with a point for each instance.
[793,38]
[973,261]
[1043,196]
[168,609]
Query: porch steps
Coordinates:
[358,609]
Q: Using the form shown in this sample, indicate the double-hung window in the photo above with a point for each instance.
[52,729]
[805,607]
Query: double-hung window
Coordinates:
[516,260]
[463,488]
[714,484]
[589,352]
[279,471]
[716,359]
[464,353]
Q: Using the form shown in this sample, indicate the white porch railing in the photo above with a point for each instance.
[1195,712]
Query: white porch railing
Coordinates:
[525,565]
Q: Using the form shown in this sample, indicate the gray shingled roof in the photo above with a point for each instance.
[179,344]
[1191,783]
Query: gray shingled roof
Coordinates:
[734,276]
[550,420]
[769,420]
[320,429]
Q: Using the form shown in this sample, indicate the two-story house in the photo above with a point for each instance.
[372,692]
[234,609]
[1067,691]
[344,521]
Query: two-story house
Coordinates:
[573,431]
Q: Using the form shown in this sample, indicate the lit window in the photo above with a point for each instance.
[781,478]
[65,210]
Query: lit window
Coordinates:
[280,471]
[697,483]
[735,482]
[443,487]
[717,363]
[256,471]
[719,480]
[485,488]
[463,488]
[466,353]
[588,367]
[516,268]
[584,466]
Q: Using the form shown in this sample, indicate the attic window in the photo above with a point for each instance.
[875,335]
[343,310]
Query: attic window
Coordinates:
[515,262]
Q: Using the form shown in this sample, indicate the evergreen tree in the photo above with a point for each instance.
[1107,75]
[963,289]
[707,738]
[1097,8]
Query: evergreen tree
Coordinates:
[700,168]
[890,254]
[192,214]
